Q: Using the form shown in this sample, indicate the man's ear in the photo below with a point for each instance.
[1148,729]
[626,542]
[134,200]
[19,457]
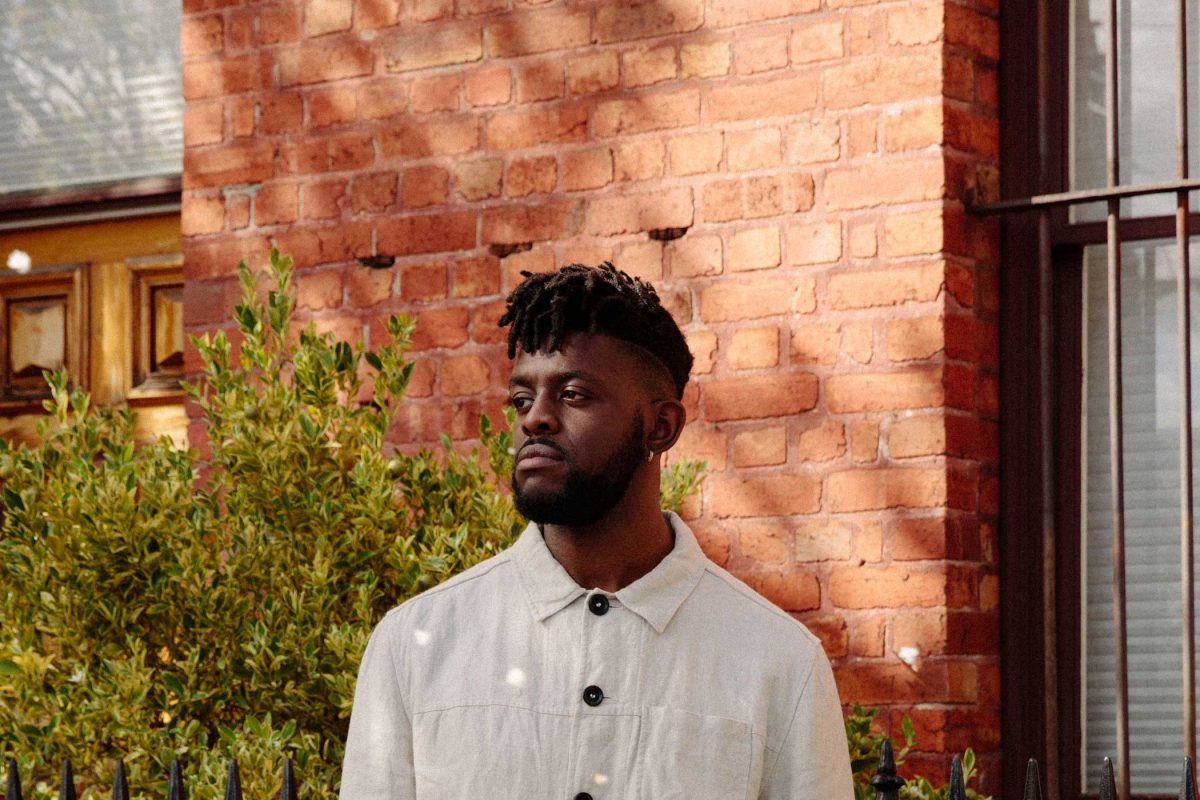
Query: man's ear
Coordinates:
[666,425]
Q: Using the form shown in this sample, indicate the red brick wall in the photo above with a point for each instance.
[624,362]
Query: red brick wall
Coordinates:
[841,305]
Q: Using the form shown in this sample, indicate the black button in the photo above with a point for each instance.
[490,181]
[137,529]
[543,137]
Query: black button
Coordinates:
[583,796]
[598,605]
[593,695]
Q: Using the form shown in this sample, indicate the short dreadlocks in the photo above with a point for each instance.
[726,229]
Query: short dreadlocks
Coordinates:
[548,306]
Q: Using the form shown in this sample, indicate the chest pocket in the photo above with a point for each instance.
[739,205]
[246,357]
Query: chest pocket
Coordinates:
[694,757]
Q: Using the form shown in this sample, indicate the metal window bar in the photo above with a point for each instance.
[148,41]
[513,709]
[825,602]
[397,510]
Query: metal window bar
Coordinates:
[1112,195]
[175,787]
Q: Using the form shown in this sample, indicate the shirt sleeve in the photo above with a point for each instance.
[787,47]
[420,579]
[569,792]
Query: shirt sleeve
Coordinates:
[378,764]
[814,760]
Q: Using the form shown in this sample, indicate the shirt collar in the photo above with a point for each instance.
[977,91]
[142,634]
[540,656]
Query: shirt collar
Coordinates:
[655,596]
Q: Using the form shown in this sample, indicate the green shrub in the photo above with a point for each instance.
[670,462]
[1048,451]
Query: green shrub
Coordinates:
[152,606]
[865,746]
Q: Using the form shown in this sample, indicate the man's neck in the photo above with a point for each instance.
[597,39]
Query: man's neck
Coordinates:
[616,550]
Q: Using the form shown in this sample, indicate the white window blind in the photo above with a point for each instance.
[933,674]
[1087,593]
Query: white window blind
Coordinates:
[1151,417]
[89,92]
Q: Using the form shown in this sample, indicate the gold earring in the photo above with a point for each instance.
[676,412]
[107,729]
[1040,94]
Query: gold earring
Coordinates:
[650,456]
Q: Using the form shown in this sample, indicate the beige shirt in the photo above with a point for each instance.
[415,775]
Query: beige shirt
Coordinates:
[511,681]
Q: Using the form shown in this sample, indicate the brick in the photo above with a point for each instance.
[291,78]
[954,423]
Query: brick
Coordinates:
[368,287]
[969,437]
[639,160]
[539,31]
[814,141]
[203,123]
[761,53]
[817,41]
[317,63]
[753,348]
[757,397]
[914,128]
[862,241]
[876,80]
[641,19]
[790,590]
[814,242]
[648,66]
[729,13]
[347,151]
[539,80]
[374,191]
[424,186]
[529,127]
[885,287]
[248,162]
[694,153]
[642,260]
[880,683]
[914,233]
[917,436]
[919,539]
[759,196]
[863,134]
[472,7]
[762,447]
[327,16]
[323,199]
[528,223]
[866,637]
[478,180]
[237,211]
[461,43]
[203,214]
[763,297]
[421,283]
[702,442]
[538,259]
[885,391]
[433,93]
[220,76]
[343,242]
[755,248]
[695,255]
[441,326]
[429,233]
[764,542]
[593,72]
[915,339]
[276,204]
[586,169]
[527,176]
[858,341]
[882,184]
[647,113]
[201,35]
[754,149]
[241,116]
[383,97]
[761,99]
[916,24]
[475,277]
[703,345]
[769,496]
[464,375]
[886,587]
[411,138]
[974,31]
[704,59]
[822,540]
[319,290]
[816,343]
[485,327]
[331,106]
[428,10]
[490,85]
[824,442]
[634,213]
[373,14]
[280,24]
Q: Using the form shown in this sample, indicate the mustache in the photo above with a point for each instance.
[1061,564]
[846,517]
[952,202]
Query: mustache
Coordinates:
[544,442]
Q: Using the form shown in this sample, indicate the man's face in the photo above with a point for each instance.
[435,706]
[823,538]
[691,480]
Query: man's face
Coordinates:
[579,434]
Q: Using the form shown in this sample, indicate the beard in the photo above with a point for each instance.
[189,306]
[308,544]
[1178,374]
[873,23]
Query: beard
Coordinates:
[585,496]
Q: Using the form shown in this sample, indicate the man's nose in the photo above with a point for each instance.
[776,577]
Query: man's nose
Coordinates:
[542,416]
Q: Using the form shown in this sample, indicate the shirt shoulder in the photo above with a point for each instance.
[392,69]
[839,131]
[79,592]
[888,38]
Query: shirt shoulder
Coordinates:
[467,582]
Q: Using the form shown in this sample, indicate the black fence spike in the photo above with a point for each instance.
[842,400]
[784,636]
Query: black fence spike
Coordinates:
[1033,781]
[120,784]
[233,782]
[957,789]
[175,790]
[288,790]
[886,782]
[1187,785]
[12,790]
[66,787]
[1108,786]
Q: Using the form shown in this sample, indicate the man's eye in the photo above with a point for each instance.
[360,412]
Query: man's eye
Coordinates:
[520,403]
[572,395]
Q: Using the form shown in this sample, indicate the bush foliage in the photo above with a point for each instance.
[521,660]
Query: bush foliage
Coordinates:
[152,606]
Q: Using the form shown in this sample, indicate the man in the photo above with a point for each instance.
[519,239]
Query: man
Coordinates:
[602,657]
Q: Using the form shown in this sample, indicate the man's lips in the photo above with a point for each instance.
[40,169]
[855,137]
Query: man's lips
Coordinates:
[538,456]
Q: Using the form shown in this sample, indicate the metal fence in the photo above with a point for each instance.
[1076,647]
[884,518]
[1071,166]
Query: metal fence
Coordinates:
[886,781]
